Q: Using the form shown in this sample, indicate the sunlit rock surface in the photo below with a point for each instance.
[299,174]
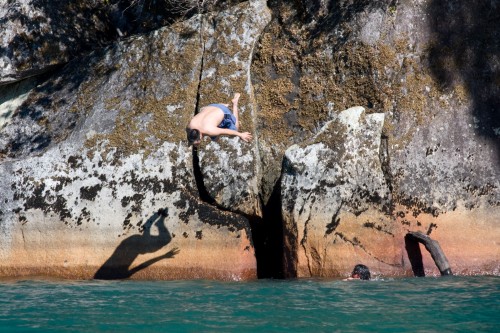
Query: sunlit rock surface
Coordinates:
[336,200]
[230,167]
[430,67]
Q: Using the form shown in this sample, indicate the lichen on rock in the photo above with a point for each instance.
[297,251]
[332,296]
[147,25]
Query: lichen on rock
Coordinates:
[38,35]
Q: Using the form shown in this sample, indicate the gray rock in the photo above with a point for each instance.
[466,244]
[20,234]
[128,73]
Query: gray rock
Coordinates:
[111,184]
[332,185]
[231,167]
[94,160]
[421,63]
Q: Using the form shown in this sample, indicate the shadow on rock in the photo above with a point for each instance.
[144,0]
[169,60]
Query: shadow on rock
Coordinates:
[466,53]
[118,265]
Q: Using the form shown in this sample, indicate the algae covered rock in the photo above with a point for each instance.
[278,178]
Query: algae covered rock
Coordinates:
[98,181]
[431,74]
[444,143]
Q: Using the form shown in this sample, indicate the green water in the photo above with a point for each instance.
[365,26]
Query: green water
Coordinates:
[451,304]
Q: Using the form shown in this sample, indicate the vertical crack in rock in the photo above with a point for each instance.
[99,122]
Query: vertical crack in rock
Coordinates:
[200,184]
[198,175]
[266,230]
[303,241]
[24,239]
[303,244]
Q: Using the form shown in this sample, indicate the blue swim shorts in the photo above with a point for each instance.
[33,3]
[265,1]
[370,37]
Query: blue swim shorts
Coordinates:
[229,120]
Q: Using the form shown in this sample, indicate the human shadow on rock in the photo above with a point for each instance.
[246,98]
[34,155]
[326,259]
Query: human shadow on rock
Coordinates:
[118,265]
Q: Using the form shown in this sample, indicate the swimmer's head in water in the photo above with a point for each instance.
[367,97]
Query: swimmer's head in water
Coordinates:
[361,272]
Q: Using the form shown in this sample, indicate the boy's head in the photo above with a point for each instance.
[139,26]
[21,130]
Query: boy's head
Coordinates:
[193,136]
[361,272]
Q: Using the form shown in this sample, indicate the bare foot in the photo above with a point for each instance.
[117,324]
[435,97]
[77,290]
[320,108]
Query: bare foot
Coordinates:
[236,98]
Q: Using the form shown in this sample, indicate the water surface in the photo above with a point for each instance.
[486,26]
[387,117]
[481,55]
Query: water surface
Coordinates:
[449,304]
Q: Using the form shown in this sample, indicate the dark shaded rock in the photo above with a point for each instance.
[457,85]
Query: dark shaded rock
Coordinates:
[39,35]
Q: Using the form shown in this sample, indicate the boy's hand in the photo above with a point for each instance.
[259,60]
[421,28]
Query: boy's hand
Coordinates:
[246,136]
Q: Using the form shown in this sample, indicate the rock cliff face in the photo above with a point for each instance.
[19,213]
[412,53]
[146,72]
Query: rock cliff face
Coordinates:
[421,64]
[370,119]
[40,35]
[101,182]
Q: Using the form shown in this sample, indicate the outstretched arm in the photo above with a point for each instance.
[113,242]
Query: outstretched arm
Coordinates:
[216,131]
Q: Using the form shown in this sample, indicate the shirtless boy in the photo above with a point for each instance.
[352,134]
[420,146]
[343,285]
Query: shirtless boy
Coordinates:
[214,120]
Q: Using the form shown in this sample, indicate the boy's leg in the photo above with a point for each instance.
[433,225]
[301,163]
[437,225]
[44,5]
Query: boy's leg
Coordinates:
[235,110]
